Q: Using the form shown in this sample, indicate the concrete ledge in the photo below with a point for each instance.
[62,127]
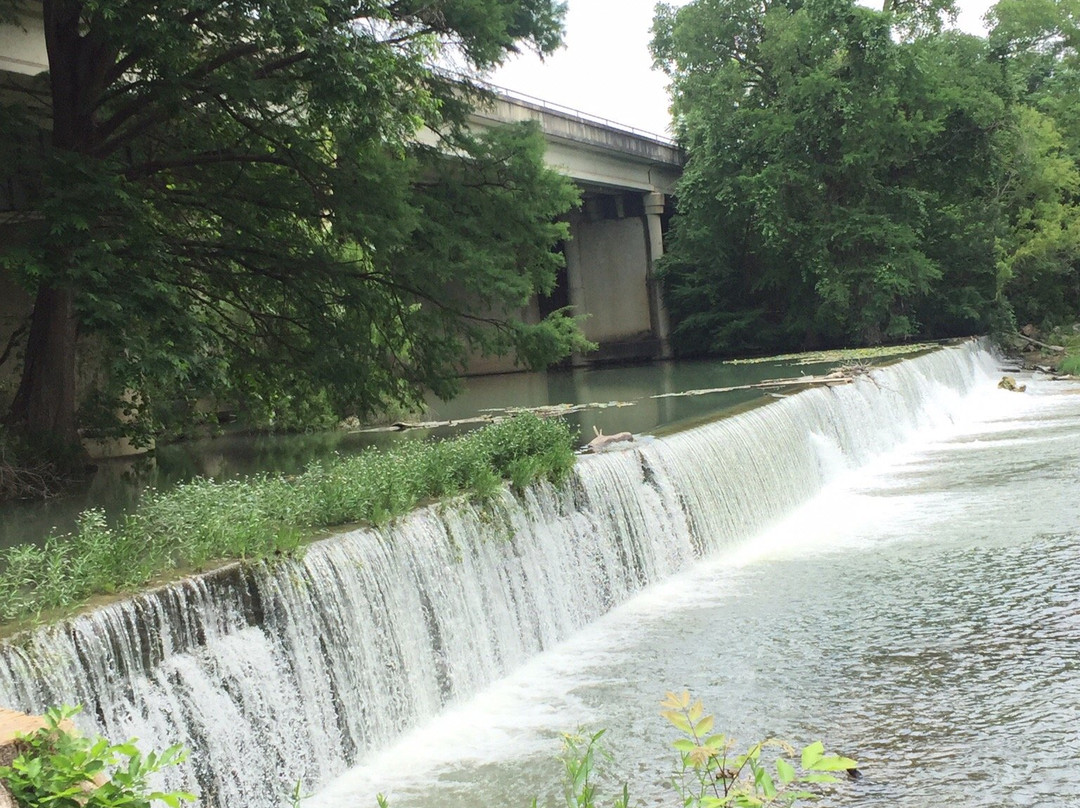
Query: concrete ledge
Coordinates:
[12,725]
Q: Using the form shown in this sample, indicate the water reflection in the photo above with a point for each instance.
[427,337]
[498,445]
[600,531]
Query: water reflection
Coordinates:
[117,484]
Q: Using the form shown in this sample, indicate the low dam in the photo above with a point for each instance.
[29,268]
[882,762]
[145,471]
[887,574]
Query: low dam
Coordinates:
[300,669]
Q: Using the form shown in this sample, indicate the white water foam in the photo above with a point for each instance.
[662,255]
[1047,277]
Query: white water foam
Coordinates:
[293,670]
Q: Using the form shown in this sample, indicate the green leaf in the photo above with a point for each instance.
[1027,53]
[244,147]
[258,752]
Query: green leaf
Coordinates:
[812,753]
[832,763]
[703,727]
[765,782]
[785,771]
[819,778]
[678,720]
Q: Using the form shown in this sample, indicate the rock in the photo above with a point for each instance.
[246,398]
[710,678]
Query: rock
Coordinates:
[1029,330]
[1009,383]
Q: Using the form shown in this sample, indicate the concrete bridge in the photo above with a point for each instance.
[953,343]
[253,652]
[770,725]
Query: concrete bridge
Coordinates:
[626,177]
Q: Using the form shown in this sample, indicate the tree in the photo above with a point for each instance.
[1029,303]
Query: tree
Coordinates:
[1037,44]
[233,198]
[919,17]
[819,201]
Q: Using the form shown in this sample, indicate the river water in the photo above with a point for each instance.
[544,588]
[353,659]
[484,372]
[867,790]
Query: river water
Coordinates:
[636,398]
[921,613]
[889,566]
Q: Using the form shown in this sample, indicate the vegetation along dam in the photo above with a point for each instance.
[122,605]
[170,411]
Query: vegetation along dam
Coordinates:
[888,565]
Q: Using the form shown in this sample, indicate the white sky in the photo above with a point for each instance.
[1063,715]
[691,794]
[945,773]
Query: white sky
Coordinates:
[605,68]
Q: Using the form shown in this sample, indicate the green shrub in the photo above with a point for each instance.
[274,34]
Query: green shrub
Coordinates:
[60,769]
[203,521]
[709,773]
[1070,364]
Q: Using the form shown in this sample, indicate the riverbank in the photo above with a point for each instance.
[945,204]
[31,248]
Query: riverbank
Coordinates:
[1056,352]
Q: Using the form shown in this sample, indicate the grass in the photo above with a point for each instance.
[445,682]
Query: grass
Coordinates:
[204,522]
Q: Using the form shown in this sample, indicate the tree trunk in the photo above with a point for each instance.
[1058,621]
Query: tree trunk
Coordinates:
[44,404]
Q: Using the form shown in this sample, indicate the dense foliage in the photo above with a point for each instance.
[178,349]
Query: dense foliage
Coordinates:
[204,521]
[272,202]
[859,175]
[58,768]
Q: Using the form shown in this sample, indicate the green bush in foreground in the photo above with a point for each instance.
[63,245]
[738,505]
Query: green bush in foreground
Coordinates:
[204,521]
[712,775]
[709,774]
[60,769]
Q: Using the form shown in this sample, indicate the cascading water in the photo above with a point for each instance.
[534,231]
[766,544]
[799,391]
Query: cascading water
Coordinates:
[289,671]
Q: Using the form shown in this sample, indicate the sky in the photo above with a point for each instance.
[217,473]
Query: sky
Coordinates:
[605,69]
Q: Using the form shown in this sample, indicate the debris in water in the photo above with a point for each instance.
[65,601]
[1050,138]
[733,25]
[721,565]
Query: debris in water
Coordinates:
[602,441]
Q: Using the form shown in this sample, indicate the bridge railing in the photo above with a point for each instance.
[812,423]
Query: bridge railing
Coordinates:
[560,109]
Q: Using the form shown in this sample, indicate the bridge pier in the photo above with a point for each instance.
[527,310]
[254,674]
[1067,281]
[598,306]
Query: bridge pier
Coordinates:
[616,240]
[618,235]
[661,325]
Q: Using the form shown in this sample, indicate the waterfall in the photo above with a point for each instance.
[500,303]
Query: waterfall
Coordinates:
[290,670]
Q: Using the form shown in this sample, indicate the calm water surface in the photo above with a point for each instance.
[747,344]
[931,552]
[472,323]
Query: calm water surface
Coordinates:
[117,484]
[922,615]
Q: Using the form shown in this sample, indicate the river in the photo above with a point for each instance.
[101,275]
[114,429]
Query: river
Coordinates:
[921,614]
[889,566]
[116,485]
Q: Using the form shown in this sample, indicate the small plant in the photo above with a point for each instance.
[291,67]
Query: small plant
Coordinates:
[710,773]
[59,769]
[297,795]
[579,765]
[713,775]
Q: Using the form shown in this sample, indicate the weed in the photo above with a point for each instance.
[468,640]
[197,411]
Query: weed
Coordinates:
[710,774]
[1070,364]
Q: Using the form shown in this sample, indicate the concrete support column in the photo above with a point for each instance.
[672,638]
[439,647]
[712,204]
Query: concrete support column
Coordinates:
[575,282]
[654,209]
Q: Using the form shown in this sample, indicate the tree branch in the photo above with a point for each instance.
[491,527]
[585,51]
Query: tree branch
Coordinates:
[204,159]
[137,105]
[13,342]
